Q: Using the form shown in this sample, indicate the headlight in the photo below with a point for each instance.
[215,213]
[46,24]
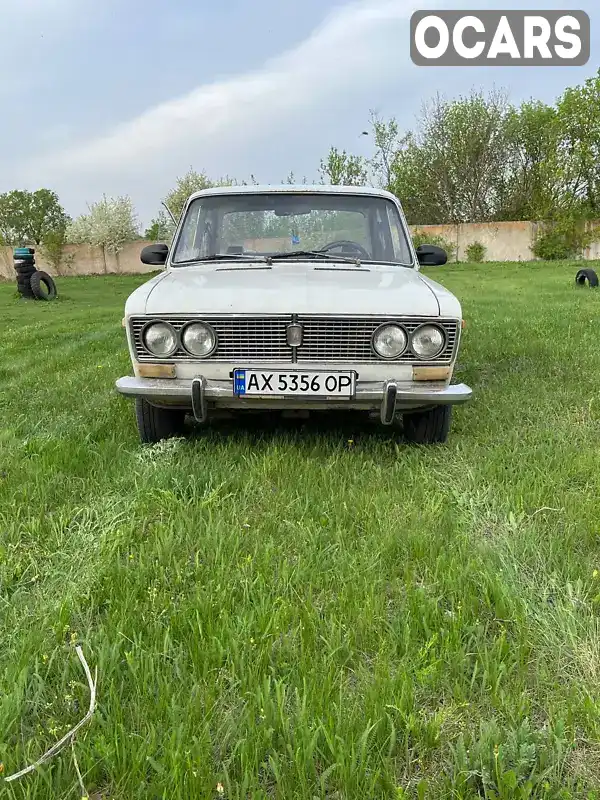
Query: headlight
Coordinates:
[389,341]
[428,341]
[160,339]
[199,339]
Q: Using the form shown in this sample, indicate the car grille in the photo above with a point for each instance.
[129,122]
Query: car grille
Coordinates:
[240,339]
[247,340]
[349,340]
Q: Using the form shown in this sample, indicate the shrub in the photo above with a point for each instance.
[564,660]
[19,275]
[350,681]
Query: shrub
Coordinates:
[563,238]
[53,249]
[420,237]
[476,252]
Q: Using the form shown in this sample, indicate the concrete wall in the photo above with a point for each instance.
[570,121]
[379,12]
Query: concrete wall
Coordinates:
[83,259]
[505,241]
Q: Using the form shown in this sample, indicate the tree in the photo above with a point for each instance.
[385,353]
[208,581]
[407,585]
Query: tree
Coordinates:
[189,183]
[29,217]
[110,223]
[341,168]
[453,169]
[578,113]
[387,144]
[533,185]
[160,229]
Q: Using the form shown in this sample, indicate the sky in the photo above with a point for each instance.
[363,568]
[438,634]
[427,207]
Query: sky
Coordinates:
[120,97]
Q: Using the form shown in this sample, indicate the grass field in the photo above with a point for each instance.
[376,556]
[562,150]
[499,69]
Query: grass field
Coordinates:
[305,611]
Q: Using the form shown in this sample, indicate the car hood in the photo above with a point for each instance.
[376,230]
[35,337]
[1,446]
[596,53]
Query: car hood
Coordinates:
[292,288]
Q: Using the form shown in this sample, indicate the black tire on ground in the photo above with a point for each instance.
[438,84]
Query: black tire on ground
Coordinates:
[428,427]
[586,275]
[25,288]
[43,286]
[155,424]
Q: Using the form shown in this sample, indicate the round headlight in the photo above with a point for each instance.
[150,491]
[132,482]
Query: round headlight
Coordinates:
[199,339]
[389,341]
[428,341]
[160,339]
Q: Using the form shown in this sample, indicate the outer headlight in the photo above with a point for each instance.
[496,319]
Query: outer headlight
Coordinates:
[199,339]
[389,341]
[428,341]
[160,339]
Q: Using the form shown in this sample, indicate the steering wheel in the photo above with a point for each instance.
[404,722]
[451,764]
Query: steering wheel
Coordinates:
[350,245]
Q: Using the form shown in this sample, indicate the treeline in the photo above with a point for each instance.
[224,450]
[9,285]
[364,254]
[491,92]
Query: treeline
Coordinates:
[476,158]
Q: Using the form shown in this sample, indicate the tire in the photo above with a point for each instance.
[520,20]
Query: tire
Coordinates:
[586,275]
[428,427]
[26,271]
[155,424]
[42,279]
[27,250]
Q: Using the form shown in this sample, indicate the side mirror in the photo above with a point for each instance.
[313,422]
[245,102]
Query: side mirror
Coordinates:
[430,255]
[155,254]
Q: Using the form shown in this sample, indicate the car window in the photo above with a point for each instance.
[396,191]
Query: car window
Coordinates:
[262,223]
[265,232]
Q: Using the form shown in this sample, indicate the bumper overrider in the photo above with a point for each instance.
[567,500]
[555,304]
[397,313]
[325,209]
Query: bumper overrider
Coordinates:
[200,395]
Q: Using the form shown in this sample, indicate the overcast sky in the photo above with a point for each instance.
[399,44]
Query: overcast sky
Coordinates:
[121,96]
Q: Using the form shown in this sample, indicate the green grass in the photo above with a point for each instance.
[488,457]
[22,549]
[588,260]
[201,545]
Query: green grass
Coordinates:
[310,611]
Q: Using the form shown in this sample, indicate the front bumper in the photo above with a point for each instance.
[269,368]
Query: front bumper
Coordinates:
[200,395]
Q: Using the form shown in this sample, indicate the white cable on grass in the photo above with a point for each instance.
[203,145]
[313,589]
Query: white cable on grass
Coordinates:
[84,793]
[56,748]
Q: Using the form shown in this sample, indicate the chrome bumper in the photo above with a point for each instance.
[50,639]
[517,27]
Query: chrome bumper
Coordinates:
[200,394]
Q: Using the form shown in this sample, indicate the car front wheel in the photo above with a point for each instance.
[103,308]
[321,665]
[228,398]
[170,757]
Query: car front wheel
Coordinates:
[428,427]
[155,424]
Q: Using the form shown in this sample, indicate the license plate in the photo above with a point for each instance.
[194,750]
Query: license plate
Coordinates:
[252,382]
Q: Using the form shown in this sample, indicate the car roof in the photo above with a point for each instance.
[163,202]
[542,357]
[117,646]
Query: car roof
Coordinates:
[287,188]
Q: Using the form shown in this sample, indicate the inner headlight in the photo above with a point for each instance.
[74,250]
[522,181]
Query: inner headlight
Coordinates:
[199,339]
[428,341]
[160,339]
[389,341]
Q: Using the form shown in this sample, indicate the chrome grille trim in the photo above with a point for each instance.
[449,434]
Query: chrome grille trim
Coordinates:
[249,339]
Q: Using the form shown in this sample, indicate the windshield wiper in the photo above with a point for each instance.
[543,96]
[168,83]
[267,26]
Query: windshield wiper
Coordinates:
[224,257]
[313,254]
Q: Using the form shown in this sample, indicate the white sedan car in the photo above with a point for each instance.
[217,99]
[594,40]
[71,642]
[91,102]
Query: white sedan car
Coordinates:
[293,299]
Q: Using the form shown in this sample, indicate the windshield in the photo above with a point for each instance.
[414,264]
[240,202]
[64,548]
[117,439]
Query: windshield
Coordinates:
[252,226]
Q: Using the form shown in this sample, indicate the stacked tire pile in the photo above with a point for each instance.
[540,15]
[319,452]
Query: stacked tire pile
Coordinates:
[31,282]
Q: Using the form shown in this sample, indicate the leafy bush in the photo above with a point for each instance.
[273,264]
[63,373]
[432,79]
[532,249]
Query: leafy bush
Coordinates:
[509,763]
[420,237]
[563,238]
[476,252]
[53,249]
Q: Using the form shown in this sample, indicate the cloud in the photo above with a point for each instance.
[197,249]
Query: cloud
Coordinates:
[355,46]
[31,31]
